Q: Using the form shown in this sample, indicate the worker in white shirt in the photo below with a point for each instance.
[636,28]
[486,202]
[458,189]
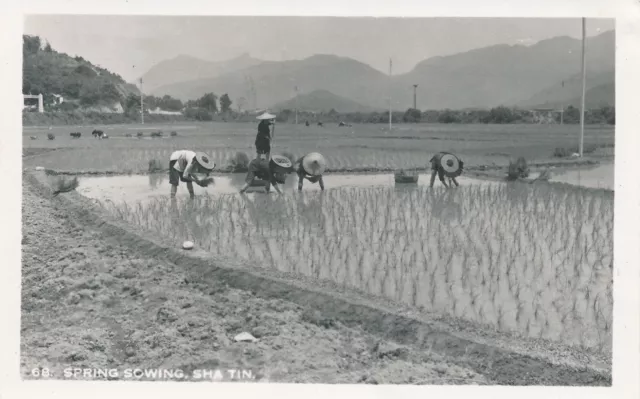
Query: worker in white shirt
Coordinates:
[185,165]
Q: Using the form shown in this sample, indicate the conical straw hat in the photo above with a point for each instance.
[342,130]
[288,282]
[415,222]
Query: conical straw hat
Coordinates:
[266,115]
[204,161]
[314,164]
[451,165]
[281,161]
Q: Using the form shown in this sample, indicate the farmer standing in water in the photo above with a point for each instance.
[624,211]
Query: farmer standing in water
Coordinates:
[184,165]
[264,136]
[271,172]
[310,167]
[445,164]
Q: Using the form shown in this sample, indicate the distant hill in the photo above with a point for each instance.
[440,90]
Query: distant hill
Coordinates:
[77,80]
[595,97]
[184,68]
[481,78]
[559,94]
[274,82]
[504,74]
[322,101]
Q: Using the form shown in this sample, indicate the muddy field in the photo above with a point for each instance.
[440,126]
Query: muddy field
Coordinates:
[89,303]
[362,147]
[486,284]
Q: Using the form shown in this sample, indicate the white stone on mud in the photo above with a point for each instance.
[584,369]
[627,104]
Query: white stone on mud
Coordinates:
[187,245]
[39,167]
[245,336]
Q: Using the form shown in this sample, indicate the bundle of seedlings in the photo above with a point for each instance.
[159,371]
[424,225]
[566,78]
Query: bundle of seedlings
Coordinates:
[517,169]
[155,166]
[240,162]
[206,181]
[63,184]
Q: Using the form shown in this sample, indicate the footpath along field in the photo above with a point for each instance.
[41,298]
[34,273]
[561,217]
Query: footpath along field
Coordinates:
[436,303]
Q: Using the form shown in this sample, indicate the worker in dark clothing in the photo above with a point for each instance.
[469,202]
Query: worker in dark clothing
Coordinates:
[273,172]
[445,164]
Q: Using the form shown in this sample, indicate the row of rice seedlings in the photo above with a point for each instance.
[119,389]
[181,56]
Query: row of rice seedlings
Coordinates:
[469,252]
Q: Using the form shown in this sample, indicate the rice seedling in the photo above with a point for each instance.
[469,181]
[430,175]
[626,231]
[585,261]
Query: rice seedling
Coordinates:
[534,259]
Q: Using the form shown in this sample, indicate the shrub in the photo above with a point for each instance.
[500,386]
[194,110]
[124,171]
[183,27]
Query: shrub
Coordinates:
[157,134]
[155,165]
[518,169]
[139,134]
[51,136]
[174,134]
[128,135]
[240,162]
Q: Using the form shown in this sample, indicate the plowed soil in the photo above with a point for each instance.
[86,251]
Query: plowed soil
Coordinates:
[87,302]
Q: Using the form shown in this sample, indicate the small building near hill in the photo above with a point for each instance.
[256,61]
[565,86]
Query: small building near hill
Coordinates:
[159,111]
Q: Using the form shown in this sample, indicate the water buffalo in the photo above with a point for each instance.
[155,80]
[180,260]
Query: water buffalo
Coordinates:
[97,134]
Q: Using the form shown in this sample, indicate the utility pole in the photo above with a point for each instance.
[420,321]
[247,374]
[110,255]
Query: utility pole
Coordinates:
[414,97]
[141,103]
[584,73]
[296,90]
[562,109]
[389,94]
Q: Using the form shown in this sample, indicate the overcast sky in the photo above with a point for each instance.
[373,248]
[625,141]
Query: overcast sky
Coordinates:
[130,45]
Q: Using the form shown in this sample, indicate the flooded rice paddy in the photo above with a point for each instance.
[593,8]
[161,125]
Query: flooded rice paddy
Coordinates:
[533,259]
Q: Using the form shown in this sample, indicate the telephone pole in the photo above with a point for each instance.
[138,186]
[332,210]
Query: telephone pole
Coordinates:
[389,94]
[414,97]
[584,73]
[296,90]
[141,103]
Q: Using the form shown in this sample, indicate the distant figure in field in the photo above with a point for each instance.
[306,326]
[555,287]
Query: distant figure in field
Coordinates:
[184,164]
[311,167]
[320,124]
[344,124]
[264,136]
[272,172]
[445,164]
[306,123]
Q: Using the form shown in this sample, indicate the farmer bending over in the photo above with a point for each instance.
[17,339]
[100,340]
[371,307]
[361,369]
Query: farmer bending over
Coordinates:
[444,163]
[311,167]
[184,164]
[272,172]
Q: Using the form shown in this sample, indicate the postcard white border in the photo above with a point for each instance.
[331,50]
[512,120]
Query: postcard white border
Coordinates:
[626,370]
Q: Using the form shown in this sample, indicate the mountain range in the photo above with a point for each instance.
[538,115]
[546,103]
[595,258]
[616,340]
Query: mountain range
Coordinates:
[511,75]
[183,68]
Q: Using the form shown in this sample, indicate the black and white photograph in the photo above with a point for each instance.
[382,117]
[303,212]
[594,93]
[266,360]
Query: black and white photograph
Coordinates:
[256,199]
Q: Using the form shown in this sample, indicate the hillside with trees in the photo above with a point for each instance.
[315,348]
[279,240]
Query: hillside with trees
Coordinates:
[78,81]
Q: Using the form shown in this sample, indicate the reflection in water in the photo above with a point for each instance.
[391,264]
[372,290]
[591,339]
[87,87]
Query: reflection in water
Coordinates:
[599,177]
[144,188]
